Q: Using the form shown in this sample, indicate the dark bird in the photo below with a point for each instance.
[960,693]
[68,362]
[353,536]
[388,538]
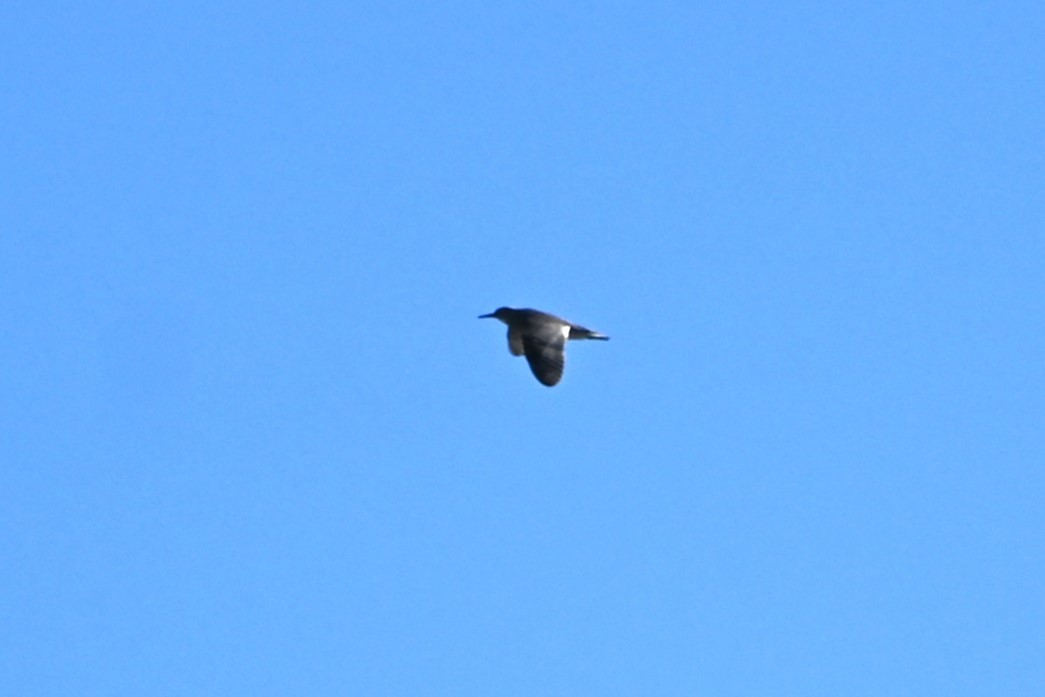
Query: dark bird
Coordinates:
[542,339]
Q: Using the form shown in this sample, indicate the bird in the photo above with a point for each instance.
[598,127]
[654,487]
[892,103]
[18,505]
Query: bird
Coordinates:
[541,337]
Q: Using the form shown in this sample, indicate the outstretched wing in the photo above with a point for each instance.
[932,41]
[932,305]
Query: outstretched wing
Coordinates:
[545,352]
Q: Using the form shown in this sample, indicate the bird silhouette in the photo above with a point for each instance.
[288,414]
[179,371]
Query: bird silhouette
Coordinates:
[541,337]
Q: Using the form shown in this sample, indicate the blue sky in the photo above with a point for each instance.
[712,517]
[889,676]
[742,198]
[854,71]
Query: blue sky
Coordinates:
[256,441]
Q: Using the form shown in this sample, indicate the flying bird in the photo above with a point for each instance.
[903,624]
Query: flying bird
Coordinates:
[542,339]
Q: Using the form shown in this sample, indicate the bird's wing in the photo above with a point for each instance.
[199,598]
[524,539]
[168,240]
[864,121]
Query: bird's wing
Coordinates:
[515,342]
[545,352]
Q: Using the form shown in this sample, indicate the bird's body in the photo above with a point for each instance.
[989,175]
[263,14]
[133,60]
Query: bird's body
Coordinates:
[541,337]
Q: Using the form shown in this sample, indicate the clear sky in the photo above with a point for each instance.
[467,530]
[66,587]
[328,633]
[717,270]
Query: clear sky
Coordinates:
[255,442]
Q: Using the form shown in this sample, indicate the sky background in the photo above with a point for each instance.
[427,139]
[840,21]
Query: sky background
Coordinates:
[255,442]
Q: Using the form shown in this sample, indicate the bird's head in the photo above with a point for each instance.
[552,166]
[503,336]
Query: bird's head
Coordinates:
[501,313]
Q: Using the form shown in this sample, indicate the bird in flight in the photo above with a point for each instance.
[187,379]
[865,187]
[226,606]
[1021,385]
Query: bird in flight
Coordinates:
[542,339]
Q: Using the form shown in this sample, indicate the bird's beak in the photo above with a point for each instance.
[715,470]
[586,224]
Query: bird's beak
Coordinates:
[485,316]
